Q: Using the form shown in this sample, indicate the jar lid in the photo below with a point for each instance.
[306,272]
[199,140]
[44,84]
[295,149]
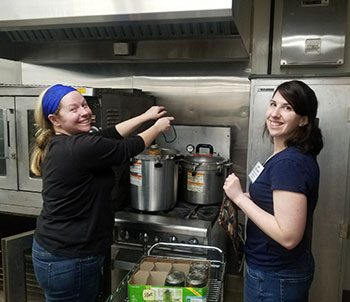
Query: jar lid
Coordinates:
[196,278]
[175,277]
[154,150]
[199,266]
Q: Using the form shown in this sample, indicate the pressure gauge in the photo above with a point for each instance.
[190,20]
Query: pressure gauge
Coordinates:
[190,148]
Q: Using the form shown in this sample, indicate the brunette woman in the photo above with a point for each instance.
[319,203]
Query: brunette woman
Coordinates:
[75,226]
[282,197]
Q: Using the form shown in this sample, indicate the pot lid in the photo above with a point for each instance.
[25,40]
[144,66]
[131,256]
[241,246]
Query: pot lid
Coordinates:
[204,159]
[163,153]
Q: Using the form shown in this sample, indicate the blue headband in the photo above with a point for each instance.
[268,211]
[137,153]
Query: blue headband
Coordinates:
[52,98]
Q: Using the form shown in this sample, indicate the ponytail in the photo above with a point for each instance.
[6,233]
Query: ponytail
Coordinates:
[43,137]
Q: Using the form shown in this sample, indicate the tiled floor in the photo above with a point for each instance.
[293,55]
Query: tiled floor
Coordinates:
[233,288]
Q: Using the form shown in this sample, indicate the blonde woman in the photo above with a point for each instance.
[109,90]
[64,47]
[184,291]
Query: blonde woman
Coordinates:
[75,226]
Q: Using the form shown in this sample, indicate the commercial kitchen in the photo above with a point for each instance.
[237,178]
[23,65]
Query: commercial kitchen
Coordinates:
[214,65]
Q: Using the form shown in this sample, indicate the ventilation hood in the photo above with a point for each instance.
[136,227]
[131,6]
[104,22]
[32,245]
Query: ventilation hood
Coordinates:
[38,29]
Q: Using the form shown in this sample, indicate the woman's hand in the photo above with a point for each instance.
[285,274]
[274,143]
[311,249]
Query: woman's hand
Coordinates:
[127,127]
[233,188]
[159,126]
[154,113]
[163,124]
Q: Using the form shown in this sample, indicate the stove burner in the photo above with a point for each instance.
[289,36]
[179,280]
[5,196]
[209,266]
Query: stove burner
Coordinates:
[181,212]
[184,210]
[208,213]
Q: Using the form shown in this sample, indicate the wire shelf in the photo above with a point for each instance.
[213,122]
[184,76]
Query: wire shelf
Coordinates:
[180,251]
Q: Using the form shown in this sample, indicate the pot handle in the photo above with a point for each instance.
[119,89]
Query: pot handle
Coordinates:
[208,146]
[158,163]
[219,171]
[179,157]
[194,167]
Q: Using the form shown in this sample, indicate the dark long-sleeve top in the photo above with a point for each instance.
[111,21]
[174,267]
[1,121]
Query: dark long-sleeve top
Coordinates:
[77,216]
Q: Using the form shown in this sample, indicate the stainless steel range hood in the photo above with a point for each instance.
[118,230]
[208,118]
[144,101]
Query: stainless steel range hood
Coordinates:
[35,27]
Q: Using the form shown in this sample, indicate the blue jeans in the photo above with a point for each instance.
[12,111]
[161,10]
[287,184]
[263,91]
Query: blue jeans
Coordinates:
[286,285]
[67,279]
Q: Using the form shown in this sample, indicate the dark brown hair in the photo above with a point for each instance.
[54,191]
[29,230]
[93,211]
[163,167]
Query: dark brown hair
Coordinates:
[308,138]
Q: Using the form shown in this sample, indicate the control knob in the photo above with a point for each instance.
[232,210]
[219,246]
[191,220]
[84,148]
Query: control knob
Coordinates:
[172,239]
[193,241]
[144,237]
[124,235]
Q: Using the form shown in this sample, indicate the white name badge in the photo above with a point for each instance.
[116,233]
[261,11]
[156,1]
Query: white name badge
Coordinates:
[254,174]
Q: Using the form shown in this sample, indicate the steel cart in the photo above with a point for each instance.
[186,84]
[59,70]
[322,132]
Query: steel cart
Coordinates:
[184,252]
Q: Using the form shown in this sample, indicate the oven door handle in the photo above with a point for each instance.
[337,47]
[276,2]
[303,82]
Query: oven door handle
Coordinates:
[186,246]
[7,118]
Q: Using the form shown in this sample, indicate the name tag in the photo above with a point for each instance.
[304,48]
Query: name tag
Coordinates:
[254,174]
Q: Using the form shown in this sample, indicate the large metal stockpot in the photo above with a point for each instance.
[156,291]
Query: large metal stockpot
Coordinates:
[203,176]
[154,179]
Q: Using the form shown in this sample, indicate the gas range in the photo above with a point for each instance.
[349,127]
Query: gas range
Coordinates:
[135,232]
[186,223]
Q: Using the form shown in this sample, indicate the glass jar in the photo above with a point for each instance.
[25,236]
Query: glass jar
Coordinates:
[200,267]
[196,279]
[175,278]
[154,150]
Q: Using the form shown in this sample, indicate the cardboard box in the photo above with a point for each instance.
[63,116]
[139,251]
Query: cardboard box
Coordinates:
[148,282]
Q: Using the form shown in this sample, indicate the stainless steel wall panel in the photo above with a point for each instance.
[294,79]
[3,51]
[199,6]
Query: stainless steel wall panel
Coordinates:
[196,94]
[182,136]
[114,76]
[203,101]
[313,34]
[10,71]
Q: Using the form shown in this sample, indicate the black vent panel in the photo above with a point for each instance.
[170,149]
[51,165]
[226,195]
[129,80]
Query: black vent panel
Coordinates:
[129,32]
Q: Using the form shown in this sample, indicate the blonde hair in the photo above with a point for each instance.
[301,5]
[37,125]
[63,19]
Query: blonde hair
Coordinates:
[43,135]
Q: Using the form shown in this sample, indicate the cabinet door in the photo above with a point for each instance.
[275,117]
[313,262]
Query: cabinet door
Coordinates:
[328,244]
[13,260]
[25,136]
[8,162]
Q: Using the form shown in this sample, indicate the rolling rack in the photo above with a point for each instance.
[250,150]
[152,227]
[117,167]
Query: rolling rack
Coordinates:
[182,251]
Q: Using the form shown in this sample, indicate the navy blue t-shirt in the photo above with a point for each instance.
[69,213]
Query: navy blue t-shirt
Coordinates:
[288,170]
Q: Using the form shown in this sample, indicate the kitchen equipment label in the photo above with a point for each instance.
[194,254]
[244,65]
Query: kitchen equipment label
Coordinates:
[135,173]
[195,183]
[254,174]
